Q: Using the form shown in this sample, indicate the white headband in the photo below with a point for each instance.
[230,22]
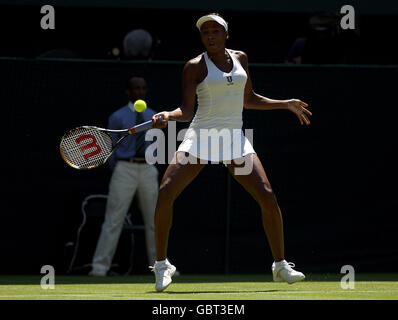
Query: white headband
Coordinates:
[212,17]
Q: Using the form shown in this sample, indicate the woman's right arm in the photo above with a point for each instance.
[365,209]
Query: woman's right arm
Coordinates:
[185,112]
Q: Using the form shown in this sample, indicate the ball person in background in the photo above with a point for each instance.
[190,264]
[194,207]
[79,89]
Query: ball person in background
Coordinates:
[220,78]
[130,174]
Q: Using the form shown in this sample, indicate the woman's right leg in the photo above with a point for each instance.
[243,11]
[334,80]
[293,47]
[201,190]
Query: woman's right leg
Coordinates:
[174,181]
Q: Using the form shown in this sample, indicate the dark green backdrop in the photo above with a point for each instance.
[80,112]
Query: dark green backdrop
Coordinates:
[335,180]
[362,6]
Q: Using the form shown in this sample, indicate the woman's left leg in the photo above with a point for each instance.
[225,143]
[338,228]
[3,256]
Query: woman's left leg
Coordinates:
[257,184]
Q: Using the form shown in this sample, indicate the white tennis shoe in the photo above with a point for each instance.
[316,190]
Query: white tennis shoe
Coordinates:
[283,271]
[97,273]
[163,272]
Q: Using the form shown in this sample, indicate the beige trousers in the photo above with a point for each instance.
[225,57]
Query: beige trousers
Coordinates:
[127,179]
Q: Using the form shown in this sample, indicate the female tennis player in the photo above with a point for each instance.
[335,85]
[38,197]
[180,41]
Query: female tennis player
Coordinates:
[220,79]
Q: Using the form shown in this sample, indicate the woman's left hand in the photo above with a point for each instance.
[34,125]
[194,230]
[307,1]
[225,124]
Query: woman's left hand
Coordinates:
[298,107]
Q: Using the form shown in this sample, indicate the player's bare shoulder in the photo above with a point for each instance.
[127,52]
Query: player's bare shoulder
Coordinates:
[241,56]
[196,68]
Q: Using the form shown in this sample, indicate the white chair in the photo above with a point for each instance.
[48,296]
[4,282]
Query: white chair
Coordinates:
[94,206]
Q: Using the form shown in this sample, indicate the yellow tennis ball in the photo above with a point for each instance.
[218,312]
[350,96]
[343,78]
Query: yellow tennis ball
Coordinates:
[140,105]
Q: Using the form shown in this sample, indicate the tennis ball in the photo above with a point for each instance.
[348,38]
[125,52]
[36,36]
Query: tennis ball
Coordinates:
[140,105]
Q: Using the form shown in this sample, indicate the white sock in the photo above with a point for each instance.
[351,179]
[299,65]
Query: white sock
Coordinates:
[162,261]
[277,264]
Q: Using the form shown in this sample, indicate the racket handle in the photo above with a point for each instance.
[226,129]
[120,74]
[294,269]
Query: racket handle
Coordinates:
[142,127]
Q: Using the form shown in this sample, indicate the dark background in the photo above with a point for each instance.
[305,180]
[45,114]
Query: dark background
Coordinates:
[92,32]
[334,180]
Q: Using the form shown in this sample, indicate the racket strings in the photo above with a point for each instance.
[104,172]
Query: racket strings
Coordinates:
[85,148]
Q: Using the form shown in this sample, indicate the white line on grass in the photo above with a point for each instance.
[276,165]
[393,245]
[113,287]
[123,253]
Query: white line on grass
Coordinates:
[129,295]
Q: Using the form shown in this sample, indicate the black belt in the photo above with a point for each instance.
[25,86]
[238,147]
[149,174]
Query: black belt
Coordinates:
[134,160]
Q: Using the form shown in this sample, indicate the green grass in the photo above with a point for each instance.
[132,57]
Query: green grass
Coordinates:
[202,287]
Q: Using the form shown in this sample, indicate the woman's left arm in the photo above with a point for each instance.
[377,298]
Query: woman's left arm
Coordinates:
[255,101]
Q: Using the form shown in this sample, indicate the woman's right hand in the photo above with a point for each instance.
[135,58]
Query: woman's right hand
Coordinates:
[160,120]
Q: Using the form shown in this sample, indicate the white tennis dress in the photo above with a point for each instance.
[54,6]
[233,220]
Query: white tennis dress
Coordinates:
[215,133]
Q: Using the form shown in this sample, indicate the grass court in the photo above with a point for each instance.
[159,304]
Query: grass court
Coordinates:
[370,286]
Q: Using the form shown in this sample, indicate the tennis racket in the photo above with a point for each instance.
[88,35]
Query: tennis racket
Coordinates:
[89,147]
